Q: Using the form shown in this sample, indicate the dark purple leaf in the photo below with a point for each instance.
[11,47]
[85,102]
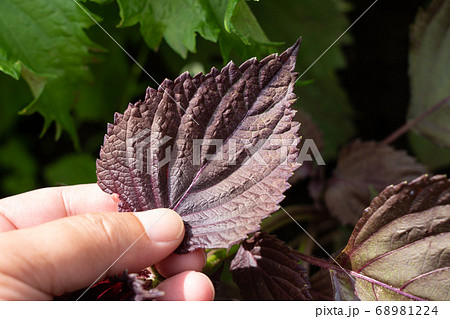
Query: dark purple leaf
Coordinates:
[126,287]
[265,268]
[399,249]
[216,148]
[364,167]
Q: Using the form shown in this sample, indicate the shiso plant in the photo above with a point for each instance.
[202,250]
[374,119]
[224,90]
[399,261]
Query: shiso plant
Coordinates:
[222,148]
[229,147]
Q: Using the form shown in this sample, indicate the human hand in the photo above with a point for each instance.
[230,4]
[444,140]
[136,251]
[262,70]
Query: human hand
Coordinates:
[60,239]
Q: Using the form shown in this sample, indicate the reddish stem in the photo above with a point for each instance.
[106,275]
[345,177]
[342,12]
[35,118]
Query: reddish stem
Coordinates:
[408,125]
[330,266]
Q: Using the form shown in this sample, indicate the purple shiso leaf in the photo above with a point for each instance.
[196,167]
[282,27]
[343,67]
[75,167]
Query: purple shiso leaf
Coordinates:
[362,166]
[399,248]
[217,148]
[265,268]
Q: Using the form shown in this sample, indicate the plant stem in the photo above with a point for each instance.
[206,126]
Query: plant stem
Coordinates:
[408,125]
[318,262]
[157,278]
[330,266]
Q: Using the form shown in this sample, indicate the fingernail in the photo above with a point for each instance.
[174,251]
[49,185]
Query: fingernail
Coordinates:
[161,225]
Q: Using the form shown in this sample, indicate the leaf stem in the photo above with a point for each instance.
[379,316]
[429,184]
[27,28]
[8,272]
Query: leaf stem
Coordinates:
[410,124]
[157,278]
[317,262]
[330,266]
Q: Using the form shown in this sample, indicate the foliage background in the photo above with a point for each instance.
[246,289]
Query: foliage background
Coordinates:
[360,88]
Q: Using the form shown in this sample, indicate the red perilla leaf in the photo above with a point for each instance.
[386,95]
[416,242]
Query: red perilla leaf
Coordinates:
[265,268]
[399,248]
[217,148]
[362,167]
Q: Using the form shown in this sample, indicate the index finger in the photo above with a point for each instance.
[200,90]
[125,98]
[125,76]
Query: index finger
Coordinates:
[47,204]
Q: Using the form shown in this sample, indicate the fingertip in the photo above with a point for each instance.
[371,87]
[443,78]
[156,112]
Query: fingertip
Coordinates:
[198,287]
[162,225]
[188,286]
[176,263]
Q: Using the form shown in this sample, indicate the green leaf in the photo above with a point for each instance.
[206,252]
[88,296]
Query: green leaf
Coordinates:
[47,41]
[240,20]
[399,248]
[71,169]
[216,258]
[46,36]
[9,67]
[51,105]
[176,21]
[429,70]
[319,23]
[241,36]
[179,21]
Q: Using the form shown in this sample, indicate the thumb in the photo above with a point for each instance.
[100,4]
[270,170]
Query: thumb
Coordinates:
[71,253]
